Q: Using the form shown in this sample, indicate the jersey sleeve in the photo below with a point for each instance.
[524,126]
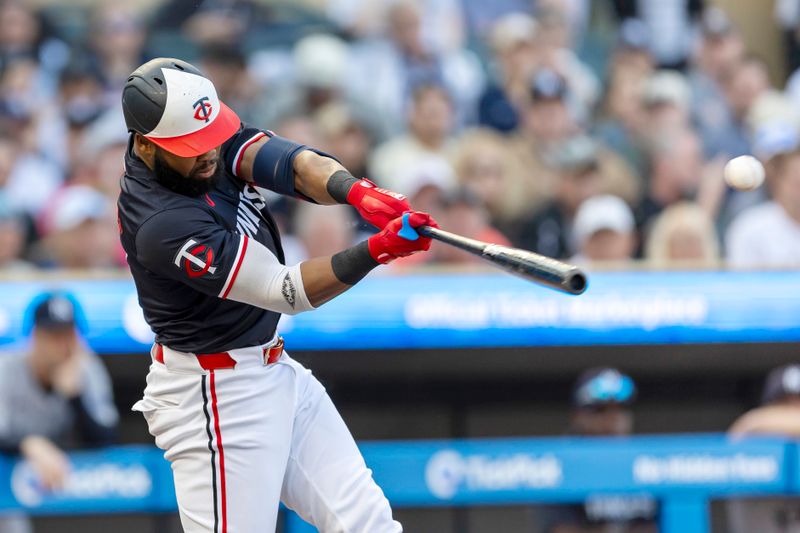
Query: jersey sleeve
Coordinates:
[234,148]
[189,246]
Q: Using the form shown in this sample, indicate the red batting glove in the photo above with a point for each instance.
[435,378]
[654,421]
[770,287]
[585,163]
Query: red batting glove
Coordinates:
[387,245]
[377,206]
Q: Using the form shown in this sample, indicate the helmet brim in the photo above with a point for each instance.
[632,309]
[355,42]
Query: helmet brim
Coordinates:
[200,142]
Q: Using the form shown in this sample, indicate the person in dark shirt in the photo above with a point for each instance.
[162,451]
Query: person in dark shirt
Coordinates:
[578,178]
[602,399]
[242,423]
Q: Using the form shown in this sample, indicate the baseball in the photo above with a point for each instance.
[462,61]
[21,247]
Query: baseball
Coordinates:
[744,173]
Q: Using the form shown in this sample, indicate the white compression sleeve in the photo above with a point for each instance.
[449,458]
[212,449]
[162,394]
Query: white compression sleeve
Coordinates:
[258,278]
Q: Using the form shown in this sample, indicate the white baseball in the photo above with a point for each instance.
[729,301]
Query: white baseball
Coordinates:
[744,173]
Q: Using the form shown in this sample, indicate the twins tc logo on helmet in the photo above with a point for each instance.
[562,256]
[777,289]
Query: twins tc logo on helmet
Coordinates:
[195,258]
[202,109]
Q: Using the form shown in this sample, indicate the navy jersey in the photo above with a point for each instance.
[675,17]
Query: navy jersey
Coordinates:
[184,253]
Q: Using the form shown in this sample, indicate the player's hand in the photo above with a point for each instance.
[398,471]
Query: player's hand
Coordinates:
[49,463]
[67,377]
[388,245]
[377,206]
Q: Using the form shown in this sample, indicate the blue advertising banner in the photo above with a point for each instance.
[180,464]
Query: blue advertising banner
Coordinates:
[127,479]
[459,472]
[452,311]
[562,469]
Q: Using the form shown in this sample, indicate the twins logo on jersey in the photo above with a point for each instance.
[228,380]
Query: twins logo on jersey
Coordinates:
[195,258]
[249,214]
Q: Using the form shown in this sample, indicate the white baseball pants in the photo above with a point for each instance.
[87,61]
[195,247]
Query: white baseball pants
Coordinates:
[240,440]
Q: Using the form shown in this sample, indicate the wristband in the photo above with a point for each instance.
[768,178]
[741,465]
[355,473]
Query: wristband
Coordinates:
[339,185]
[351,265]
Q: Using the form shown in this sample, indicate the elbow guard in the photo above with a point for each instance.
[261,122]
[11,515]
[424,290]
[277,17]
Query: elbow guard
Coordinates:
[273,167]
[262,281]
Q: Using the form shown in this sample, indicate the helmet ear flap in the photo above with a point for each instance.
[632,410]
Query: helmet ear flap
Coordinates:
[143,103]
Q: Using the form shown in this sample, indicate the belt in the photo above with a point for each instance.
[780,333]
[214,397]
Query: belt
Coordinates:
[222,360]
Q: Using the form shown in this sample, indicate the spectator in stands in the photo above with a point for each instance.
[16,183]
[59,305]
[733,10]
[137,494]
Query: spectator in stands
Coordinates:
[12,240]
[24,35]
[388,70]
[778,415]
[676,168]
[430,123]
[465,214]
[27,179]
[545,122]
[683,235]
[442,21]
[300,128]
[20,31]
[602,400]
[209,21]
[513,63]
[720,51]
[666,97]
[58,394]
[483,165]
[321,231]
[319,76]
[347,134]
[622,124]
[787,15]
[116,46]
[427,181]
[670,23]
[604,230]
[768,235]
[101,151]
[743,85]
[553,42]
[582,169]
[80,231]
[80,102]
[226,66]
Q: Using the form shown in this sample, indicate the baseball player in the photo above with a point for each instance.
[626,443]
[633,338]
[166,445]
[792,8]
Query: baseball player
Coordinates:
[243,424]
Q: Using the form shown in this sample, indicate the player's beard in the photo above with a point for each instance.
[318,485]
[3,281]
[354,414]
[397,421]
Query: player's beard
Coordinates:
[186,185]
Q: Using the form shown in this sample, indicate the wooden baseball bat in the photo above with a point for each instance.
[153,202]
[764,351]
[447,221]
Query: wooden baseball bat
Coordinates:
[538,268]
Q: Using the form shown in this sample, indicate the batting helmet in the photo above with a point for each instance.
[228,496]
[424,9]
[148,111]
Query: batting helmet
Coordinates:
[171,103]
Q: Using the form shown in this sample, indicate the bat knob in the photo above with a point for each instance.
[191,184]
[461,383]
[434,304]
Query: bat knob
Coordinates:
[407,232]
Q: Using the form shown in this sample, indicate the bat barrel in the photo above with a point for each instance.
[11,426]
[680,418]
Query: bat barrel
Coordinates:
[539,268]
[556,274]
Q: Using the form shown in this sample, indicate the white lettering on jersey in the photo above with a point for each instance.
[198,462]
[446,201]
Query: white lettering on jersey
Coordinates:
[248,214]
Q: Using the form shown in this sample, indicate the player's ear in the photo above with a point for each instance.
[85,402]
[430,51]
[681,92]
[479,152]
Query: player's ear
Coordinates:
[145,148]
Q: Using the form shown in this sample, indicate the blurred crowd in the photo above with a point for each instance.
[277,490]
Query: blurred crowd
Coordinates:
[594,131]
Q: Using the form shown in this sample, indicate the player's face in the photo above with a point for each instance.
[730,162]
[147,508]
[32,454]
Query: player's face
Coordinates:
[191,176]
[602,420]
[52,347]
[200,167]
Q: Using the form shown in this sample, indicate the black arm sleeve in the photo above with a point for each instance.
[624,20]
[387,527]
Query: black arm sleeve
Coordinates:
[91,431]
